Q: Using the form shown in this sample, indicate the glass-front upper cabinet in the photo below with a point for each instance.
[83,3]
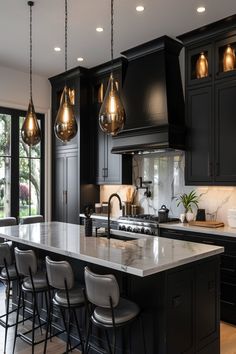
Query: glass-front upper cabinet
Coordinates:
[199,65]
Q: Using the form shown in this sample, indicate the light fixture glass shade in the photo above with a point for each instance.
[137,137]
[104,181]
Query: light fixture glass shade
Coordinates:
[30,131]
[229,59]
[112,113]
[202,66]
[65,125]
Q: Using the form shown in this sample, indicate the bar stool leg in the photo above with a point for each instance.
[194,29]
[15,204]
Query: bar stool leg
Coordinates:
[33,323]
[7,316]
[79,331]
[17,319]
[108,342]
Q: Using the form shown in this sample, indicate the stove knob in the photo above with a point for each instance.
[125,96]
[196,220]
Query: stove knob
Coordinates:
[120,227]
[123,228]
[142,230]
[129,228]
[147,231]
[135,229]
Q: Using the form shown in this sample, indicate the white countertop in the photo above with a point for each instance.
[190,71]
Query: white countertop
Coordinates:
[142,256]
[221,231]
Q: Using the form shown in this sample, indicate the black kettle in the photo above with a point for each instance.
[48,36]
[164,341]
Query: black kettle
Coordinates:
[163,214]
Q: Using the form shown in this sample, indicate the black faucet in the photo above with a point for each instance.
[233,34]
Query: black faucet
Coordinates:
[109,212]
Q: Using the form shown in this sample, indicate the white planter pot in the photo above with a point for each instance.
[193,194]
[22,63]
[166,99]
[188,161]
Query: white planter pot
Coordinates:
[189,216]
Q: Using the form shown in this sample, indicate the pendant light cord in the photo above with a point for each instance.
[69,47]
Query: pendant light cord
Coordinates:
[30,3]
[66,22]
[112,33]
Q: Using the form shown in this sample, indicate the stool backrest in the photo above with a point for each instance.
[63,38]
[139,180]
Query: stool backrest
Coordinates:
[58,273]
[31,219]
[5,253]
[25,261]
[10,221]
[101,288]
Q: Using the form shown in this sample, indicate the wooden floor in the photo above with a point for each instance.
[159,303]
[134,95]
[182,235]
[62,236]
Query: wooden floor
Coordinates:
[228,339]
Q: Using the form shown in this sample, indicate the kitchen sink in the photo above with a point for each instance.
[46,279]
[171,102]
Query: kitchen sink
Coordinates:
[117,235]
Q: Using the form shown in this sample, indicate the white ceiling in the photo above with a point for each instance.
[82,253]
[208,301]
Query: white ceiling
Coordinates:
[171,17]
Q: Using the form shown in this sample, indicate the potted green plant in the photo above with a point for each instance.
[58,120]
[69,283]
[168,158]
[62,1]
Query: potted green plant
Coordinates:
[188,201]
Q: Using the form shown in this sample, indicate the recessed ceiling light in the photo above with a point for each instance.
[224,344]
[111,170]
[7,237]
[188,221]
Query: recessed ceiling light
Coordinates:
[140,8]
[99,29]
[201,9]
[80,59]
[57,49]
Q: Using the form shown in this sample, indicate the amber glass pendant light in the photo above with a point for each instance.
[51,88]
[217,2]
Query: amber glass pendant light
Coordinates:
[30,131]
[229,59]
[202,66]
[65,125]
[112,113]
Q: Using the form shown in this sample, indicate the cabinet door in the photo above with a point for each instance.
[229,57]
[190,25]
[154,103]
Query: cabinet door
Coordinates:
[59,189]
[225,142]
[72,196]
[113,165]
[101,170]
[199,168]
[207,303]
[180,312]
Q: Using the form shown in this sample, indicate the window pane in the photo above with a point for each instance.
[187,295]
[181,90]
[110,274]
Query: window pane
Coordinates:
[35,186]
[29,186]
[24,149]
[5,186]
[5,135]
[24,192]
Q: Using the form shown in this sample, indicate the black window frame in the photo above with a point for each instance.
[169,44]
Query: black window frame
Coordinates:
[15,180]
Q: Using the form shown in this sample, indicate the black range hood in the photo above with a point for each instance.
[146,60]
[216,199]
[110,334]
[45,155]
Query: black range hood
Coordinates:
[152,94]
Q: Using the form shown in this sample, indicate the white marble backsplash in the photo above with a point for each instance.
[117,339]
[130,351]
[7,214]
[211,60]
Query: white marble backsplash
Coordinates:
[166,171]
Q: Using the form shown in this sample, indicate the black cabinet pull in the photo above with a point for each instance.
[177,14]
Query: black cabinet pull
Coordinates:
[208,242]
[217,168]
[231,270]
[105,172]
[177,301]
[210,169]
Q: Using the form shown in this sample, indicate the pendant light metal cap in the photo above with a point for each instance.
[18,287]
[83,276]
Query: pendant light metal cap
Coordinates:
[65,127]
[30,131]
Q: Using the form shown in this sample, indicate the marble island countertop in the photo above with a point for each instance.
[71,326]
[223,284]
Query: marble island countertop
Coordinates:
[221,231]
[142,256]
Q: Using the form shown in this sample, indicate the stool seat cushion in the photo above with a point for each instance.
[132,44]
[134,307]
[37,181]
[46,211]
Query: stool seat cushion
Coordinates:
[39,280]
[125,311]
[11,271]
[76,297]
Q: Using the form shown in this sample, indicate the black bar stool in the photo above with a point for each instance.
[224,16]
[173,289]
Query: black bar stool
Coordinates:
[9,221]
[34,283]
[67,298]
[7,276]
[109,310]
[31,219]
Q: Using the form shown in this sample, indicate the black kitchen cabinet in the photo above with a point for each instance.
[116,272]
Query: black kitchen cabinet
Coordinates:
[67,196]
[109,168]
[210,106]
[72,163]
[225,145]
[199,166]
[228,275]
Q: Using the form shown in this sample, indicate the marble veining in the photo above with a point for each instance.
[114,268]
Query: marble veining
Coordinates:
[166,171]
[142,256]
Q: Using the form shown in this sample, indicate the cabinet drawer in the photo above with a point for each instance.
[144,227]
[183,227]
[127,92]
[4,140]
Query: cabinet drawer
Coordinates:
[228,293]
[228,268]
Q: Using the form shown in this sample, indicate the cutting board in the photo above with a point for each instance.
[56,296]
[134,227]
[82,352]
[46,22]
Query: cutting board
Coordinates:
[212,224]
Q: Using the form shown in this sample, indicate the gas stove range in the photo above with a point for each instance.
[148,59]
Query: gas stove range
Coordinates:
[143,224]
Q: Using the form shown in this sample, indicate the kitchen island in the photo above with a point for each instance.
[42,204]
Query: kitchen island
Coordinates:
[176,283]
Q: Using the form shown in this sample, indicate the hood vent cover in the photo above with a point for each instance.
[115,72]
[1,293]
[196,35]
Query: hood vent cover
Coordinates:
[153,98]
